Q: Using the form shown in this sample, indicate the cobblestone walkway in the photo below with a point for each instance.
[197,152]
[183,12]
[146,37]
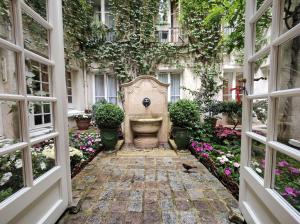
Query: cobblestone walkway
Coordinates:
[129,189]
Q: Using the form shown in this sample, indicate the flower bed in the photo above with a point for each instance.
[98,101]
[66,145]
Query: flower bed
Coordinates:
[84,146]
[222,156]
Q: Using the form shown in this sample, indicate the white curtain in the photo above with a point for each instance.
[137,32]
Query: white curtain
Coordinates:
[112,89]
[99,88]
[175,87]
[163,77]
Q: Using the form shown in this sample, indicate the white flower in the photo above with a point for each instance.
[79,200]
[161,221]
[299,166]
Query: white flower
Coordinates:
[43,165]
[12,157]
[18,163]
[5,178]
[236,164]
[255,164]
[222,161]
[258,170]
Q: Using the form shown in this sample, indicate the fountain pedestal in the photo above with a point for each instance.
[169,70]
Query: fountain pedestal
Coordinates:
[146,122]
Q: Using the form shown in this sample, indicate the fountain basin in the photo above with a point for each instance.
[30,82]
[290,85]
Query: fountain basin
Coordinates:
[145,130]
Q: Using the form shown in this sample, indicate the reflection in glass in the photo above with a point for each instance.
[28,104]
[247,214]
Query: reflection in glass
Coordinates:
[261,71]
[6,20]
[35,36]
[290,17]
[288,65]
[40,116]
[11,174]
[8,71]
[43,157]
[257,162]
[288,121]
[9,123]
[259,116]
[263,30]
[287,179]
[37,78]
[39,6]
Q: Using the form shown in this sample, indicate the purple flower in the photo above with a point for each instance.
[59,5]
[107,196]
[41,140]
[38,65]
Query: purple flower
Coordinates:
[208,147]
[289,191]
[263,163]
[277,172]
[283,163]
[227,171]
[193,144]
[294,170]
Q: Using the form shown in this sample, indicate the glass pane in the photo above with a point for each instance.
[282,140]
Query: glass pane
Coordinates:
[9,123]
[287,179]
[99,85]
[39,6]
[174,99]
[11,174]
[227,85]
[40,118]
[6,20]
[37,79]
[288,121]
[290,16]
[35,36]
[263,30]
[288,65]
[8,71]
[259,116]
[175,84]
[109,20]
[257,162]
[43,157]
[163,77]
[261,71]
[111,86]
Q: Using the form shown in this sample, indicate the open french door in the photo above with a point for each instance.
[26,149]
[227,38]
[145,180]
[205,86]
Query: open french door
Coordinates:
[34,163]
[270,161]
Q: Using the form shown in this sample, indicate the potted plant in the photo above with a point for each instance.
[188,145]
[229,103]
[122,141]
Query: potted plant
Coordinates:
[184,114]
[83,121]
[108,118]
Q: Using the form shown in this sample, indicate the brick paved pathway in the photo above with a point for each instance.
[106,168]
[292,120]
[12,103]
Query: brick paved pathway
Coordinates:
[128,189]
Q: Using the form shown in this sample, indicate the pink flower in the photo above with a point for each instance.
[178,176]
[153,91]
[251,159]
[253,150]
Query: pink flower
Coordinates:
[290,192]
[294,170]
[236,164]
[277,172]
[205,155]
[222,161]
[283,163]
[263,163]
[199,149]
[193,144]
[207,147]
[227,171]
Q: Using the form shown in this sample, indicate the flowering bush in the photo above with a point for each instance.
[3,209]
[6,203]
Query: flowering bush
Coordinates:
[84,145]
[227,133]
[88,142]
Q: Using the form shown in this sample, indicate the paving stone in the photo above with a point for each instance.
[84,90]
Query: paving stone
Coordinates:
[152,217]
[134,218]
[166,204]
[135,206]
[150,205]
[182,205]
[187,218]
[169,217]
[140,189]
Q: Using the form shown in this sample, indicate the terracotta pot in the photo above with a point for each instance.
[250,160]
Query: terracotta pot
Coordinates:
[83,124]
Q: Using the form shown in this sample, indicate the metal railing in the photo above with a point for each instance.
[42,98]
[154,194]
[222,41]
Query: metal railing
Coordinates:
[171,35]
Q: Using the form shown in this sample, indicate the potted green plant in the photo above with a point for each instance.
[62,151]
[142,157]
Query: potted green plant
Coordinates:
[108,118]
[83,120]
[184,114]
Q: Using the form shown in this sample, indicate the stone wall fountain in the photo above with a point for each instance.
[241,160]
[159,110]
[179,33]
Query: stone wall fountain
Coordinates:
[146,112]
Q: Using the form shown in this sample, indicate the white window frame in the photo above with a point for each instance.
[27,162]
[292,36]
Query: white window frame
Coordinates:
[70,105]
[105,88]
[169,73]
[250,182]
[57,179]
[235,73]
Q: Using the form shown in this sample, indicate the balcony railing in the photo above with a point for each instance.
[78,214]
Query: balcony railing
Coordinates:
[171,35]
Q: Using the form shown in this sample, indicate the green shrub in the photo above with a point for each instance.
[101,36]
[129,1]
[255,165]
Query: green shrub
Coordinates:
[184,113]
[108,116]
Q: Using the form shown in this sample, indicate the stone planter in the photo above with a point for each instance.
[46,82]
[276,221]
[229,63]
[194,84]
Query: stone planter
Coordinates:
[109,138]
[182,137]
[83,124]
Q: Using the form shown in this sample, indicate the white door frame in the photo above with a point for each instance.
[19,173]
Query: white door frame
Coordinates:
[42,200]
[259,202]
